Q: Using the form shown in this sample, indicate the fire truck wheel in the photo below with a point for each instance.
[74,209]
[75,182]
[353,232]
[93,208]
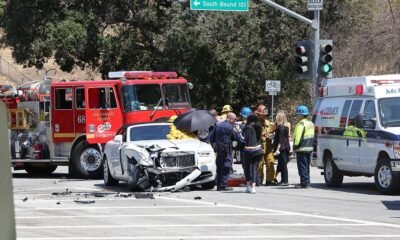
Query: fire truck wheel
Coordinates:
[86,161]
[108,178]
[40,170]
[386,181]
[333,176]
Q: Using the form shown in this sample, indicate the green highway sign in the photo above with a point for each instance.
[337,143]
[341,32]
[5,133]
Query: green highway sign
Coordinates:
[220,5]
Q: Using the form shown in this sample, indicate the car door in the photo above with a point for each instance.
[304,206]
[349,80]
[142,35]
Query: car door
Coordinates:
[352,143]
[115,153]
[368,149]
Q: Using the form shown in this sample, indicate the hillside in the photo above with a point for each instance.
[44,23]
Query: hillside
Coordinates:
[12,73]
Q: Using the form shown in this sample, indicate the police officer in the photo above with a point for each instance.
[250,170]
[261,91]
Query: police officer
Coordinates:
[225,110]
[303,139]
[268,156]
[222,136]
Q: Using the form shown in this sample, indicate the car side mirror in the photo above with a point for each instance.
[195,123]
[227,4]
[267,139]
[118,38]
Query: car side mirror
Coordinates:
[360,120]
[118,138]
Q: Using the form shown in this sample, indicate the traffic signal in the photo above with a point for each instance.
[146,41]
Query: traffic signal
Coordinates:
[325,59]
[303,59]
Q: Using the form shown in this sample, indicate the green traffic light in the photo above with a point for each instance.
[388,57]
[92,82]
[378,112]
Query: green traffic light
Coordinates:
[326,68]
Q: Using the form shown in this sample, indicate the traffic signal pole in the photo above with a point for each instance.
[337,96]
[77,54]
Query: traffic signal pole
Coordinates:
[315,24]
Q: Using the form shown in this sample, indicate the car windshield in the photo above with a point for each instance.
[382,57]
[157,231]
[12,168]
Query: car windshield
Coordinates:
[141,97]
[389,110]
[149,132]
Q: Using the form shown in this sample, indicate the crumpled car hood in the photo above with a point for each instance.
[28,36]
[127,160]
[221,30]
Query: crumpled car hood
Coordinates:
[181,145]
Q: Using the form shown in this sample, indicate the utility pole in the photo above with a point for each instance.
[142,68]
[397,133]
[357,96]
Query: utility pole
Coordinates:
[315,24]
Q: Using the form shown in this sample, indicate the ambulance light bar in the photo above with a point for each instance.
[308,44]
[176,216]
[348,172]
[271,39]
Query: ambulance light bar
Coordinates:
[359,89]
[381,82]
[323,91]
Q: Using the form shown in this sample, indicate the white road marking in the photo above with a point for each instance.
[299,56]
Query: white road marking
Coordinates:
[155,215]
[128,207]
[287,212]
[196,225]
[219,237]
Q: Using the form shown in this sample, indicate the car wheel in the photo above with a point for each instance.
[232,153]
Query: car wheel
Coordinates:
[86,161]
[40,170]
[208,185]
[385,181]
[133,177]
[108,178]
[333,176]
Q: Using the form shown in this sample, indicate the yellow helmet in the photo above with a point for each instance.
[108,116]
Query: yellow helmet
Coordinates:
[172,118]
[227,108]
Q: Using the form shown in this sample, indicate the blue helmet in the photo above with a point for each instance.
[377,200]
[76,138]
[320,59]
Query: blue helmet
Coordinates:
[302,110]
[245,112]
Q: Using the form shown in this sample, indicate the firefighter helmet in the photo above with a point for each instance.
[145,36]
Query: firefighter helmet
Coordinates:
[302,110]
[227,108]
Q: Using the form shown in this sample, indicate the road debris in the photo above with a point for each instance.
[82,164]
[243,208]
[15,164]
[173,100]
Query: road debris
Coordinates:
[84,201]
[144,195]
[25,199]
[197,198]
[67,192]
[124,195]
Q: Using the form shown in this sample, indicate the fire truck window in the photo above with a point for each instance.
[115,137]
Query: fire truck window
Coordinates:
[102,98]
[80,98]
[141,97]
[63,98]
[354,111]
[176,95]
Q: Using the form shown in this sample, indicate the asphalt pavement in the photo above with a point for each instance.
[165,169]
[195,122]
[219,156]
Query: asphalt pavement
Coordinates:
[57,207]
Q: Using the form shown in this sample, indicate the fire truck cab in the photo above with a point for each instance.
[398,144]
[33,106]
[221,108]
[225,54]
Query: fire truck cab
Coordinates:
[357,122]
[68,123]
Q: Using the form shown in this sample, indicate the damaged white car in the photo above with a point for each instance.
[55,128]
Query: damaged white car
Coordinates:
[142,156]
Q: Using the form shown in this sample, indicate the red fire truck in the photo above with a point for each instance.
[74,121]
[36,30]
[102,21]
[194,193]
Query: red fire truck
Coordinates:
[68,123]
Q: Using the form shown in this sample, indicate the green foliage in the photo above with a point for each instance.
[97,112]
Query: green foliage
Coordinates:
[227,55]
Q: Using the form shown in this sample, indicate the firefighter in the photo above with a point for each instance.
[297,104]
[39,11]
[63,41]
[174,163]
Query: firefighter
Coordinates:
[303,139]
[222,136]
[225,110]
[268,156]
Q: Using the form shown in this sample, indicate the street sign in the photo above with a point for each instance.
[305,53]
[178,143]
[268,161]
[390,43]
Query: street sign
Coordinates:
[315,5]
[220,5]
[273,86]
[273,93]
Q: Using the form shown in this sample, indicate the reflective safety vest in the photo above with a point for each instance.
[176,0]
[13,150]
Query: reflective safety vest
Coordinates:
[303,136]
[352,131]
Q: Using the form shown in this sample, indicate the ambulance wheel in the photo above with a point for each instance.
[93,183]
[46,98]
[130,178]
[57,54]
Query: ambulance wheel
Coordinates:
[385,180]
[86,161]
[333,176]
[40,170]
[108,178]
[208,185]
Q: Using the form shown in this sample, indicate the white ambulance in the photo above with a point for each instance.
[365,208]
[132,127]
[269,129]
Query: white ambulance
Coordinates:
[357,122]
